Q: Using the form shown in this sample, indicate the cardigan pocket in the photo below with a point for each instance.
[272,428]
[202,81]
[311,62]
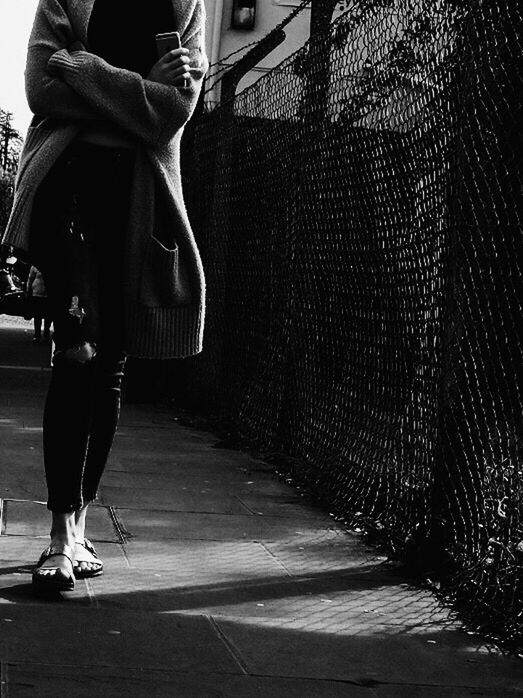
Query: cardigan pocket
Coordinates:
[163,282]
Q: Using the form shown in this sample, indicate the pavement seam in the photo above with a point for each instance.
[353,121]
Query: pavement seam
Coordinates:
[122,534]
[229,645]
[273,556]
[245,506]
[124,553]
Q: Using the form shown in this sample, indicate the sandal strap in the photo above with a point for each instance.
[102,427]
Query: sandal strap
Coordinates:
[57,549]
[89,547]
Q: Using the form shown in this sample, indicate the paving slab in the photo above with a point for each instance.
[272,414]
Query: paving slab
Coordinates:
[14,436]
[231,483]
[323,552]
[164,525]
[166,577]
[23,418]
[20,387]
[268,598]
[95,637]
[22,551]
[176,441]
[429,660]
[35,388]
[30,488]
[171,499]
[173,442]
[27,518]
[182,479]
[204,562]
[358,599]
[168,479]
[29,680]
[21,457]
[417,691]
[283,504]
[150,416]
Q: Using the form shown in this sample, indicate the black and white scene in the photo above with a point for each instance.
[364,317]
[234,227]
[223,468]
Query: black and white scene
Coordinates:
[261,348]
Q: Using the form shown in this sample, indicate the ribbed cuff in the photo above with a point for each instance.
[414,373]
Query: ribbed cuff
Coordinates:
[65,63]
[164,333]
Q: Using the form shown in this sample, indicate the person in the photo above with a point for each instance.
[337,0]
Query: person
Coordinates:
[35,289]
[99,209]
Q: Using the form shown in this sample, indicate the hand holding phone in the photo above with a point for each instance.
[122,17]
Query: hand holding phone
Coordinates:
[165,43]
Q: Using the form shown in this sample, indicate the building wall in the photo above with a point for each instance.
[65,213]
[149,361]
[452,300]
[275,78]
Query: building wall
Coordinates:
[269,13]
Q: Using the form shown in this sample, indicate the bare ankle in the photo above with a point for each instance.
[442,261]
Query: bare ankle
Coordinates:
[63,529]
[80,516]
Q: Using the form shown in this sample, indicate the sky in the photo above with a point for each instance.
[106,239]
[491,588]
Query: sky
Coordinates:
[16,20]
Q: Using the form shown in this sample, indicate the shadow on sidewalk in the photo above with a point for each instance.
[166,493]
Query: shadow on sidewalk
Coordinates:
[184,596]
[417,660]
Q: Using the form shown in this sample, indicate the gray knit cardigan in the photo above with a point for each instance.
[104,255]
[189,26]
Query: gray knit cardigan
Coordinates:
[164,283]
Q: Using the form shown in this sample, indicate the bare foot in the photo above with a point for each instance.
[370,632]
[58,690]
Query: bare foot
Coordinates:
[57,567]
[87,562]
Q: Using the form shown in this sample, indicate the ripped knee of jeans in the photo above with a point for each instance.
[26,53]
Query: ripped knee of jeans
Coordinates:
[80,353]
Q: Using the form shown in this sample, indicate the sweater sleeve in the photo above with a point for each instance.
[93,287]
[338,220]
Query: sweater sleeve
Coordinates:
[150,111]
[49,95]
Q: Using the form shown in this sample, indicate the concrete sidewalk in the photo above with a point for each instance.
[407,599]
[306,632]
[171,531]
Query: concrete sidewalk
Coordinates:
[220,580]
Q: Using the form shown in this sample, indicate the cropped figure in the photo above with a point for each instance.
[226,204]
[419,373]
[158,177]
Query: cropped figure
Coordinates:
[36,290]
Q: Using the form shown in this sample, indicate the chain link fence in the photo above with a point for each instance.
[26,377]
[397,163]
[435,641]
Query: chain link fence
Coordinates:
[358,210]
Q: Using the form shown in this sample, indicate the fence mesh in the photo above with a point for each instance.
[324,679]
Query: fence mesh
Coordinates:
[358,210]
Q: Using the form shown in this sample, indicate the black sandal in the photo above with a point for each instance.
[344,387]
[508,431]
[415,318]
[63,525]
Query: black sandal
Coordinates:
[57,581]
[79,573]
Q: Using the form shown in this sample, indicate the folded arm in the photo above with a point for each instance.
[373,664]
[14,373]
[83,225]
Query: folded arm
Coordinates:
[49,95]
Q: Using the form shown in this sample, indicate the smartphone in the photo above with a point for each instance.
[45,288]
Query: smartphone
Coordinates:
[168,42]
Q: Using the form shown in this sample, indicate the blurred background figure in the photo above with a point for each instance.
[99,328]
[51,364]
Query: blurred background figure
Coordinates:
[36,291]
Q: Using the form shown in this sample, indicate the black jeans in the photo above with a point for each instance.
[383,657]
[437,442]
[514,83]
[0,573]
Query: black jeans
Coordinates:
[78,237]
